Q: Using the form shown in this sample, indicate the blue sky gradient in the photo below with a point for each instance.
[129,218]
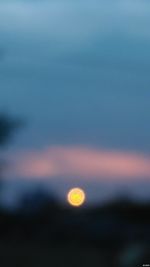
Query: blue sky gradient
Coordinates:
[78,72]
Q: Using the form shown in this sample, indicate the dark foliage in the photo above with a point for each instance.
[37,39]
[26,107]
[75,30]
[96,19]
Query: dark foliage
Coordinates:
[8,126]
[114,231]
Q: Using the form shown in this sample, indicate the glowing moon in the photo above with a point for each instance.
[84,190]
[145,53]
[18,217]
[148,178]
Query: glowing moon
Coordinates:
[76,197]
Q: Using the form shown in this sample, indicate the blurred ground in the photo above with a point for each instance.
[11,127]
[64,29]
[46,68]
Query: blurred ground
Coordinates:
[25,254]
[116,234]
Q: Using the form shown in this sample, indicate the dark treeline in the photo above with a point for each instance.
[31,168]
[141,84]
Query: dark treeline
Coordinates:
[110,229]
[42,217]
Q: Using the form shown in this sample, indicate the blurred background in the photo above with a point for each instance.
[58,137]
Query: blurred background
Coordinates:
[74,112]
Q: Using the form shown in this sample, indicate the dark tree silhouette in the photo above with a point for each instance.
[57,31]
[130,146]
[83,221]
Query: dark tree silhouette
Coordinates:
[38,201]
[8,126]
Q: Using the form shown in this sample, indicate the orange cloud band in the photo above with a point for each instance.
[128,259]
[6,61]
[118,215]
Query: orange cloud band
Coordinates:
[81,162]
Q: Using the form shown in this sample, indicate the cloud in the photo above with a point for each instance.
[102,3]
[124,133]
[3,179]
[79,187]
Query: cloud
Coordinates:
[80,162]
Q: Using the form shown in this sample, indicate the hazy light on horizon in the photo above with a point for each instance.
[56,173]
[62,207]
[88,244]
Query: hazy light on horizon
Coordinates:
[76,161]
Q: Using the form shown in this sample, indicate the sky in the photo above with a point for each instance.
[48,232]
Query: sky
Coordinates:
[78,73]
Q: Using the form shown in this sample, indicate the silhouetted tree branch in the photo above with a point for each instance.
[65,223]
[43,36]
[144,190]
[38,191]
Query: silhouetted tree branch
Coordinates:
[8,126]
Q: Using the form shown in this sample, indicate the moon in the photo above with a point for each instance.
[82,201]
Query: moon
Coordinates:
[76,197]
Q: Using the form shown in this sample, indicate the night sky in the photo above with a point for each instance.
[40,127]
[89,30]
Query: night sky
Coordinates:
[78,73]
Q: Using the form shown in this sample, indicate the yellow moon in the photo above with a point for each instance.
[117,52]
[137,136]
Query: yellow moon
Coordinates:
[76,197]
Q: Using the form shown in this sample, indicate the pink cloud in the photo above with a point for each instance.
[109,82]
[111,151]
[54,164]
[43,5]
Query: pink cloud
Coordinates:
[80,162]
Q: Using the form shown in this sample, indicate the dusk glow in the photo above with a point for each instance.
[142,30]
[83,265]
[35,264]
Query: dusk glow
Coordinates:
[80,162]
